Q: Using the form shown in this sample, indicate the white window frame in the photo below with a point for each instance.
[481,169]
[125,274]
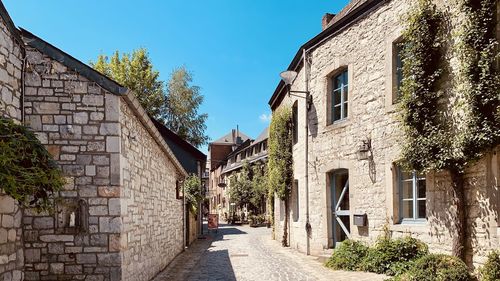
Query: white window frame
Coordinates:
[415,199]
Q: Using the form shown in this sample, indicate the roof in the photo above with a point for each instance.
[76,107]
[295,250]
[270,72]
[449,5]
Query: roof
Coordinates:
[186,153]
[228,138]
[10,24]
[350,14]
[263,136]
[108,84]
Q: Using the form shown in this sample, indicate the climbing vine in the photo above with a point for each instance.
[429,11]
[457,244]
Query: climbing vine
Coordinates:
[27,171]
[193,192]
[426,140]
[449,132]
[280,166]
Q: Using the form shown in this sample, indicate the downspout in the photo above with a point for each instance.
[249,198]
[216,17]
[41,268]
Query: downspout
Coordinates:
[306,178]
[184,225]
[23,79]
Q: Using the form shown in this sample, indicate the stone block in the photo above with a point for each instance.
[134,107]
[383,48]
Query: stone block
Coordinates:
[110,129]
[86,258]
[43,223]
[11,235]
[73,269]
[32,255]
[110,224]
[93,100]
[57,268]
[7,221]
[75,87]
[114,206]
[99,240]
[46,107]
[57,238]
[90,170]
[96,116]
[110,259]
[7,204]
[83,159]
[102,172]
[113,144]
[54,150]
[109,191]
[98,210]
[95,146]
[90,130]
[112,107]
[55,248]
[80,117]
[4,235]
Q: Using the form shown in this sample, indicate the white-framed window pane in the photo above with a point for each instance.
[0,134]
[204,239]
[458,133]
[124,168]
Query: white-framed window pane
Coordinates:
[346,93]
[339,96]
[407,189]
[336,113]
[407,209]
[336,97]
[345,110]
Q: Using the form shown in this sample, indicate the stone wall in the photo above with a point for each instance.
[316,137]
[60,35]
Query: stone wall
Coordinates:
[152,215]
[365,49]
[78,122]
[11,55]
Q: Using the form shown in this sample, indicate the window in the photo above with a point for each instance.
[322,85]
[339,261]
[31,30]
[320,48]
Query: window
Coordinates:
[295,123]
[412,191]
[295,194]
[398,70]
[339,96]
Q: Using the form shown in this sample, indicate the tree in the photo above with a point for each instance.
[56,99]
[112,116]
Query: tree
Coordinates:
[136,73]
[176,106]
[193,192]
[280,167]
[181,108]
[259,184]
[241,191]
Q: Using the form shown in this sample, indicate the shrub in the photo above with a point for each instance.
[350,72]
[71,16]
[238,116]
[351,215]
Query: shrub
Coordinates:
[435,267]
[392,256]
[347,256]
[491,270]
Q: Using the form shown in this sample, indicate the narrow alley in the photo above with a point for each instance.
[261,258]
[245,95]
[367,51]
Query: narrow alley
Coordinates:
[244,253]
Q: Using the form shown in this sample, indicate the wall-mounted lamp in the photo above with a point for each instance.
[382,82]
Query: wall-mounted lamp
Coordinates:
[364,150]
[288,78]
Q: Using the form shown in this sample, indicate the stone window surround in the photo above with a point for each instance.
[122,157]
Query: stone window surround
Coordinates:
[393,200]
[390,66]
[338,65]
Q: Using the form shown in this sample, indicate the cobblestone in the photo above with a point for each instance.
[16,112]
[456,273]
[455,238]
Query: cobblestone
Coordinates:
[245,254]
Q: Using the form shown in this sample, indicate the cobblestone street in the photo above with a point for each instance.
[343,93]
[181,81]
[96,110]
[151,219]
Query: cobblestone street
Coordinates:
[245,253]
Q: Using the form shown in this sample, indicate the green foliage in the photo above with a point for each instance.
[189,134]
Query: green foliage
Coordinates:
[478,83]
[181,108]
[436,268]
[27,171]
[491,270]
[176,106]
[280,166]
[193,192]
[392,256]
[347,256]
[241,191]
[426,141]
[259,184]
[135,71]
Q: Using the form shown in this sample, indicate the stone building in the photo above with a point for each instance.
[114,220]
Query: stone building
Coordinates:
[194,162]
[218,151]
[250,151]
[119,216]
[351,71]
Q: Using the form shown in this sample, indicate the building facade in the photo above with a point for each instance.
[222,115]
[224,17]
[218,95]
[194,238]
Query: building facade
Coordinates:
[351,72]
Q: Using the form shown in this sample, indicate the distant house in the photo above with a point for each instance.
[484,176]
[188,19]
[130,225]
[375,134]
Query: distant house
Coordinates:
[250,151]
[194,162]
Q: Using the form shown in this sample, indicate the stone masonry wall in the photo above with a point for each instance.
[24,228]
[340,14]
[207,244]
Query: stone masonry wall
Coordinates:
[78,121]
[11,253]
[365,49]
[152,216]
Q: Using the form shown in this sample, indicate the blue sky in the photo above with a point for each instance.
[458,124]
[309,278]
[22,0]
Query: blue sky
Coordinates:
[234,48]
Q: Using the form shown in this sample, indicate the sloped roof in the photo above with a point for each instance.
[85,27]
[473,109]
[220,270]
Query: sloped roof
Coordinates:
[228,138]
[351,13]
[263,136]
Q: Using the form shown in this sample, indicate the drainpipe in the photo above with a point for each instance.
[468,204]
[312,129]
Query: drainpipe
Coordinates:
[306,178]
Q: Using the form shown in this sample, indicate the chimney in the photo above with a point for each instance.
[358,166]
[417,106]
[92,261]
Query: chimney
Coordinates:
[238,138]
[327,18]
[233,135]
